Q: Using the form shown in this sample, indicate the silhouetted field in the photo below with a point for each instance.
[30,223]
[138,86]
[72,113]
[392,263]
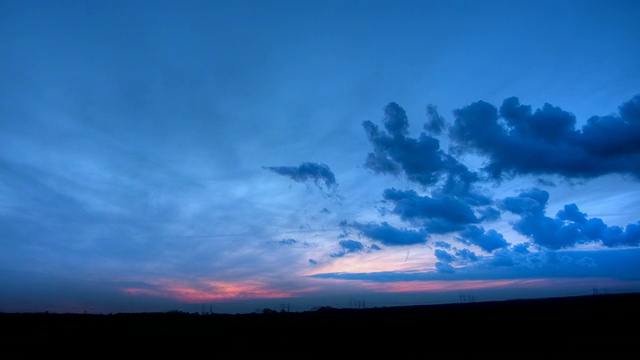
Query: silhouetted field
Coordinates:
[594,327]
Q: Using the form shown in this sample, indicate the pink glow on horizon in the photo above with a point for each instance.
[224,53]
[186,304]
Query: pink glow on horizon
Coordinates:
[210,291]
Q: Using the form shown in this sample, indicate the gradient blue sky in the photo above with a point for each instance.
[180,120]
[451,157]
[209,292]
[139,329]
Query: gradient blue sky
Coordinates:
[237,155]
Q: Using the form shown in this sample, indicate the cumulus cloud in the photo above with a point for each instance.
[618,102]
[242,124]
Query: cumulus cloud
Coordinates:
[503,257]
[444,256]
[443,267]
[435,122]
[514,140]
[389,235]
[466,255]
[442,244]
[420,159]
[517,140]
[488,241]
[521,248]
[568,228]
[319,174]
[441,214]
[348,246]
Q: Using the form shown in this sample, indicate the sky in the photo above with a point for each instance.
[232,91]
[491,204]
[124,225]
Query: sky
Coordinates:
[232,156]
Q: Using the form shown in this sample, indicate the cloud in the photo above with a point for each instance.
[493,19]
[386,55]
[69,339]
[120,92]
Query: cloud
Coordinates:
[435,122]
[440,214]
[308,171]
[488,241]
[444,256]
[443,267]
[530,202]
[348,246]
[568,228]
[517,140]
[466,254]
[287,241]
[420,159]
[442,244]
[521,248]
[502,258]
[389,235]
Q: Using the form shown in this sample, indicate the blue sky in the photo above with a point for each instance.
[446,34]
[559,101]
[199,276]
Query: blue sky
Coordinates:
[233,156]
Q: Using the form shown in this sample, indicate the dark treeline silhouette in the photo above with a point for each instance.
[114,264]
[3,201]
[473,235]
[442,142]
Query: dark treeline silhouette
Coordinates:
[594,326]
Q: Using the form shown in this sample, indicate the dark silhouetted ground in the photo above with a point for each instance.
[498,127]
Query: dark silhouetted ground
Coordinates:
[586,327]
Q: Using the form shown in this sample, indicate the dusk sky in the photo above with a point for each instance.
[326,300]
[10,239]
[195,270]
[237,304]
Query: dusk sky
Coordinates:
[241,155]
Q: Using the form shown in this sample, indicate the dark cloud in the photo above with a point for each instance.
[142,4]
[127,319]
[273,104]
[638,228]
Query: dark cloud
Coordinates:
[442,244]
[443,267]
[395,120]
[420,159]
[489,214]
[308,171]
[466,254]
[435,122]
[348,246]
[287,241]
[502,258]
[389,235]
[313,262]
[441,214]
[517,140]
[488,241]
[444,256]
[522,248]
[530,202]
[568,228]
